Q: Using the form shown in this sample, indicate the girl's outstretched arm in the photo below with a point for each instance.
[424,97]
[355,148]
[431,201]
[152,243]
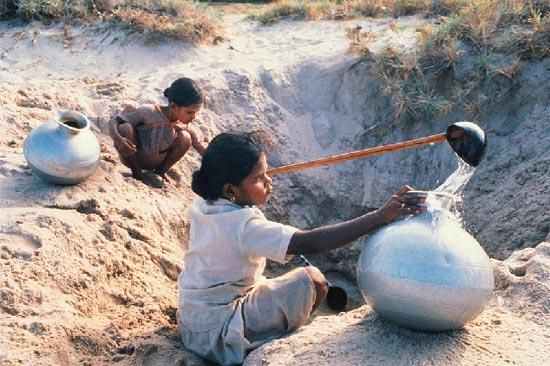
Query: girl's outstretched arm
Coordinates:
[334,236]
[196,139]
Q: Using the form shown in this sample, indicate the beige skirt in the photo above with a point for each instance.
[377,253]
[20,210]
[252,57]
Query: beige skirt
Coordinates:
[272,308]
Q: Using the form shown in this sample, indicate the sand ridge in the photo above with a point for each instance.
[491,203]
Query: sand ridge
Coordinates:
[88,271]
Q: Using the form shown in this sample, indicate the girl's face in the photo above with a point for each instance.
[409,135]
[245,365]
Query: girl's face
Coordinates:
[187,113]
[256,187]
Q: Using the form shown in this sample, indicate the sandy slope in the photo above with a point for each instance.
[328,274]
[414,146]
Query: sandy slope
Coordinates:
[87,273]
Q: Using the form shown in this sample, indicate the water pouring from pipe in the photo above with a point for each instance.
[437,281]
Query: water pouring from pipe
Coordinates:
[444,263]
[467,139]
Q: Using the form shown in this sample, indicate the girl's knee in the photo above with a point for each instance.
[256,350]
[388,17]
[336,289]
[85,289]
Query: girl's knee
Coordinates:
[315,274]
[319,281]
[126,130]
[183,140]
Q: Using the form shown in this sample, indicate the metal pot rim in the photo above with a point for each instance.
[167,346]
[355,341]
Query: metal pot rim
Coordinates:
[77,117]
[418,193]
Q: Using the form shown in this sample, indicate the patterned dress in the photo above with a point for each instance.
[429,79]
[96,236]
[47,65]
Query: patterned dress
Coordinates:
[154,131]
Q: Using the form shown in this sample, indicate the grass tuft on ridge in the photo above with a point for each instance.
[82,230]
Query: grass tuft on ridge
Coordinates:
[350,9]
[467,59]
[180,19]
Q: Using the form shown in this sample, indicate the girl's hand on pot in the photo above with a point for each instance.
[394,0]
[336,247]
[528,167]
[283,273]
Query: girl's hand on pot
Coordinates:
[395,206]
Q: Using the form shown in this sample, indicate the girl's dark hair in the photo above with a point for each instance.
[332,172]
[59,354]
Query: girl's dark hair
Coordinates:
[184,92]
[229,158]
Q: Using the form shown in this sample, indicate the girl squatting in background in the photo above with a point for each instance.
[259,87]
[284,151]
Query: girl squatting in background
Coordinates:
[151,138]
[226,306]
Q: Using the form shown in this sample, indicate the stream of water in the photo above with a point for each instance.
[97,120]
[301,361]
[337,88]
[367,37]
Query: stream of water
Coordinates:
[448,196]
[454,184]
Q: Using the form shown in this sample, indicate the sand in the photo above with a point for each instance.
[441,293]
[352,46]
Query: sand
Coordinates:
[88,272]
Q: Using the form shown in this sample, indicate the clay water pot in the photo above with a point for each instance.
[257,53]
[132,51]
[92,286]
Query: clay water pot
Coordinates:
[63,150]
[425,272]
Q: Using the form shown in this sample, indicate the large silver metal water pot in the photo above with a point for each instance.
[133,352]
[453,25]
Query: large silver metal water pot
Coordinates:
[425,272]
[63,150]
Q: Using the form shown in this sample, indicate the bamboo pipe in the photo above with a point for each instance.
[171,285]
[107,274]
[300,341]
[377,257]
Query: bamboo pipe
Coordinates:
[359,154]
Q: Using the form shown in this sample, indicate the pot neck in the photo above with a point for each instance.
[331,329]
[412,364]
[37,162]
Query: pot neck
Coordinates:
[72,123]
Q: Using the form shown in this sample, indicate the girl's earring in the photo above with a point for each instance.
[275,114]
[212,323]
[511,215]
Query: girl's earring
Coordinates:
[232,198]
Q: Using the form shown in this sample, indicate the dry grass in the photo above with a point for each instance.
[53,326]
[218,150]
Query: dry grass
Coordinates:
[181,19]
[349,9]
[289,9]
[174,19]
[469,59]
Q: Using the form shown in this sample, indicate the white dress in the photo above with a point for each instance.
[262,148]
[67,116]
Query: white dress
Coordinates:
[226,306]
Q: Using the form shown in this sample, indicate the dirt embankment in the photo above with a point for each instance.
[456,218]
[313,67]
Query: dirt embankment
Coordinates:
[88,272]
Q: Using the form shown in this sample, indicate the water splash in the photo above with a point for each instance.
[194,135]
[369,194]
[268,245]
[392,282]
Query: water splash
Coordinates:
[455,183]
[448,196]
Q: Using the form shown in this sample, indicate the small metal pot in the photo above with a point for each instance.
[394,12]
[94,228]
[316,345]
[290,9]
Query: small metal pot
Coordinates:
[64,150]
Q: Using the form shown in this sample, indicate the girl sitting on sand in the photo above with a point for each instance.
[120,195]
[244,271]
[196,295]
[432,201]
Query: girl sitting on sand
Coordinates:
[151,138]
[226,306]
